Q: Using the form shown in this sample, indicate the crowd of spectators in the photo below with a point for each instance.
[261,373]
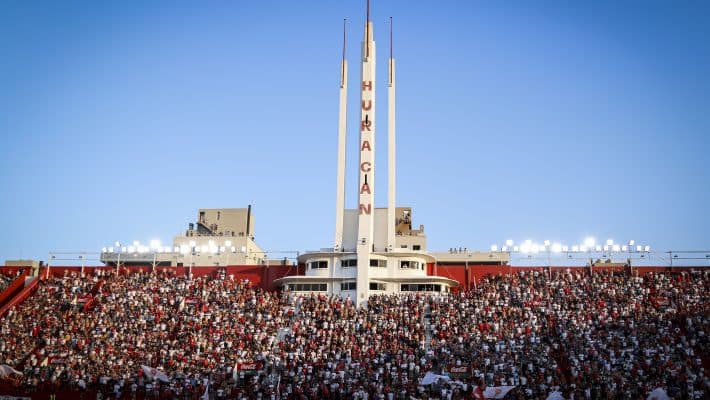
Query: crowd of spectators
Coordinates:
[600,336]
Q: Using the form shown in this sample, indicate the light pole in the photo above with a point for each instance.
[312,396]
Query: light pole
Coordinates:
[49,264]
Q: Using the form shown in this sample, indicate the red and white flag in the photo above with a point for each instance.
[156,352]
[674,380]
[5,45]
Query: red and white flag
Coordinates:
[155,374]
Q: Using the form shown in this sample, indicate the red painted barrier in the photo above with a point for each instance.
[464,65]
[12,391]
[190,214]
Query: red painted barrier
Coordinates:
[25,293]
[13,288]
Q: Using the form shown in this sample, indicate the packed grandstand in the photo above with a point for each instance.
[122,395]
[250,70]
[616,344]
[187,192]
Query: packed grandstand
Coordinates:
[523,335]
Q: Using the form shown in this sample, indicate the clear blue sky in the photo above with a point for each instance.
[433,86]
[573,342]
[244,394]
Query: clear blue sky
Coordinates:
[518,119]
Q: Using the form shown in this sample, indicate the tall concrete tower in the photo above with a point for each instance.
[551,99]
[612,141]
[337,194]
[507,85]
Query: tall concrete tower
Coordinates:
[340,184]
[366,185]
[375,250]
[391,160]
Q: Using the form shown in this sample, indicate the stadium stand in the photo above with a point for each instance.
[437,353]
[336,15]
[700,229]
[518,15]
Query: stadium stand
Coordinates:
[158,335]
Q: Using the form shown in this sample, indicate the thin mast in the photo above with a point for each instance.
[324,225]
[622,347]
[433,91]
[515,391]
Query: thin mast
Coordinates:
[342,72]
[367,31]
[391,52]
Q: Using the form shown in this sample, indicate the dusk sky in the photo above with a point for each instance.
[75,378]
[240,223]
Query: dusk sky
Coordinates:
[515,120]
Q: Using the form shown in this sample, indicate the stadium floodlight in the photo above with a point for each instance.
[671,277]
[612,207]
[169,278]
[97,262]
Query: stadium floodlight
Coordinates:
[509,242]
[222,249]
[535,248]
[210,243]
[616,247]
[204,248]
[494,247]
[647,248]
[504,248]
[184,249]
[228,243]
[556,248]
[155,244]
[606,247]
[118,244]
[192,243]
[639,248]
[576,248]
[123,249]
[528,242]
[136,243]
[244,249]
[525,248]
[176,249]
[110,249]
[589,242]
[565,248]
[609,242]
[131,249]
[624,248]
[103,249]
[516,248]
[213,249]
[142,249]
[631,242]
[598,248]
[547,243]
[234,249]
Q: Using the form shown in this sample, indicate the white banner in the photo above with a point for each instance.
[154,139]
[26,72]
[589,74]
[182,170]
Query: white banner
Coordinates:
[6,370]
[556,395]
[658,394]
[430,378]
[497,392]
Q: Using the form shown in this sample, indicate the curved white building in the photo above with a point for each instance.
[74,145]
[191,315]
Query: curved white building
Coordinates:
[375,249]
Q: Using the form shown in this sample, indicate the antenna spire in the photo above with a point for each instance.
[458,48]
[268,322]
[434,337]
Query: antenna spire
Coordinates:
[342,72]
[391,52]
[367,31]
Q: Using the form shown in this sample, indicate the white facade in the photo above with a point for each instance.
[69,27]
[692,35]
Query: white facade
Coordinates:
[375,250]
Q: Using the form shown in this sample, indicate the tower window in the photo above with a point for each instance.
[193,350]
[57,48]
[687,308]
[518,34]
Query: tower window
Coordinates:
[406,264]
[378,286]
[348,286]
[318,264]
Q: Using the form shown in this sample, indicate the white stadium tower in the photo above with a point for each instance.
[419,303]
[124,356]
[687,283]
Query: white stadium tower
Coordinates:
[375,249]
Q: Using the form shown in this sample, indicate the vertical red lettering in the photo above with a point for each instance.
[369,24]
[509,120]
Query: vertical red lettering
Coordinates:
[365,210]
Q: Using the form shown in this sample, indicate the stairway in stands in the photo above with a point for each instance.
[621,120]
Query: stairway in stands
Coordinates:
[426,321]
